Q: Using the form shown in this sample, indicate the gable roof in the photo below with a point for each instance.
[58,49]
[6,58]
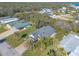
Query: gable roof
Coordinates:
[45,31]
[19,24]
[70,42]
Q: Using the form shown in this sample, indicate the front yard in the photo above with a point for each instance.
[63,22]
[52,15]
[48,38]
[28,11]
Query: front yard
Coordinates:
[2,29]
[18,37]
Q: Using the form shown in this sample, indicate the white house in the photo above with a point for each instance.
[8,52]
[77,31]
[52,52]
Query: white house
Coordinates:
[75,52]
[63,9]
[46,10]
[70,42]
[8,20]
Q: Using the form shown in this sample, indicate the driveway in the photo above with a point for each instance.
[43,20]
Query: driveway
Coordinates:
[6,50]
[22,48]
[6,34]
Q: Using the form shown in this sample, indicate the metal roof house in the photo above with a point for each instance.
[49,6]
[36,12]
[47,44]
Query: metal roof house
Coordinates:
[75,52]
[48,11]
[18,25]
[70,42]
[8,20]
[45,31]
[45,10]
[4,17]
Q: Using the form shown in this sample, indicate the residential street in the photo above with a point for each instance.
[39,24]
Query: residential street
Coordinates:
[6,50]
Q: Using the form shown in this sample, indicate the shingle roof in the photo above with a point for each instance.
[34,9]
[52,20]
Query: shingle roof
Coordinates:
[45,31]
[70,42]
[19,24]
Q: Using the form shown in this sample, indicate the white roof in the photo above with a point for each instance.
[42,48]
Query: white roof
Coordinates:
[75,52]
[8,20]
[70,42]
[45,10]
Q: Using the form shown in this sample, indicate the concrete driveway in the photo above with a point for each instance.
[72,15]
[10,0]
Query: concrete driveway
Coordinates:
[6,34]
[22,48]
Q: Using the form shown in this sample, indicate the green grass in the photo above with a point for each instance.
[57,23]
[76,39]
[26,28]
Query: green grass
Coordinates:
[17,38]
[2,29]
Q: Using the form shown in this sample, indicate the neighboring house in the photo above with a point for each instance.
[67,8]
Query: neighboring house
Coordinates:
[75,52]
[45,10]
[45,31]
[70,42]
[48,11]
[8,20]
[63,10]
[76,6]
[21,24]
[4,17]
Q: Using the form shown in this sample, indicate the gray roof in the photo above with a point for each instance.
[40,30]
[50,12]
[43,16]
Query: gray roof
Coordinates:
[45,31]
[70,42]
[19,24]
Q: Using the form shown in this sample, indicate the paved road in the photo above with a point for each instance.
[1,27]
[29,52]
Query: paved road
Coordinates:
[6,50]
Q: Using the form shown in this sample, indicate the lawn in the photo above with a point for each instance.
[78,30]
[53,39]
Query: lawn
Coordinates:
[18,37]
[14,40]
[2,29]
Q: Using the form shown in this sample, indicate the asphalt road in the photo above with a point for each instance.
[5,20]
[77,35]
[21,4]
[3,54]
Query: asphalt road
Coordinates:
[6,50]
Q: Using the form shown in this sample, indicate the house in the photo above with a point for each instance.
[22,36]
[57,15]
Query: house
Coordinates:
[45,10]
[8,20]
[21,24]
[45,31]
[4,17]
[70,42]
[76,6]
[75,52]
[63,10]
[48,11]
